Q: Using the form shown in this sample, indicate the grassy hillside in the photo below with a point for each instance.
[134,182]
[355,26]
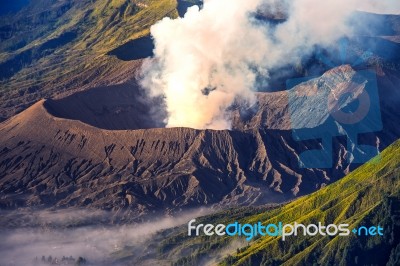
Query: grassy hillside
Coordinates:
[51,46]
[368,196]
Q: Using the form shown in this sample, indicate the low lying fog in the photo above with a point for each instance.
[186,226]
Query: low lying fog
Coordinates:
[27,235]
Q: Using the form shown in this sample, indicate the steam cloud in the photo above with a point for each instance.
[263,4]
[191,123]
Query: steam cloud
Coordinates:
[214,55]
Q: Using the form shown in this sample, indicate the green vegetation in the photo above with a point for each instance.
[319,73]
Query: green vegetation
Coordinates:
[368,196]
[51,46]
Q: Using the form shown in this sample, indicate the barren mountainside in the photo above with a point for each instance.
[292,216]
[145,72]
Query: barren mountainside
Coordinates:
[47,160]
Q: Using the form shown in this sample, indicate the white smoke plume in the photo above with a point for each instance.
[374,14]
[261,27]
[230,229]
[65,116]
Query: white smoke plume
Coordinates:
[205,60]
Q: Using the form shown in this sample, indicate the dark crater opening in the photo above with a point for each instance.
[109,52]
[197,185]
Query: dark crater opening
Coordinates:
[118,107]
[134,49]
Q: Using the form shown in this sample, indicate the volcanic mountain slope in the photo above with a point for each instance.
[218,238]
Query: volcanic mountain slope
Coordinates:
[53,47]
[368,196]
[68,163]
[53,161]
